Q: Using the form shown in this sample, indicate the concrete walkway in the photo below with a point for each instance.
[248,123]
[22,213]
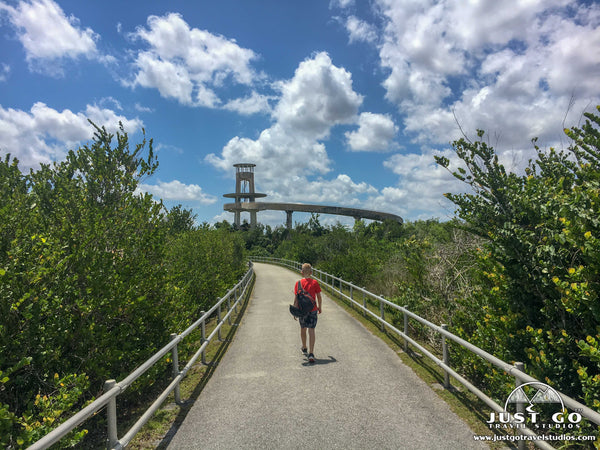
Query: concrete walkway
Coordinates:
[358,394]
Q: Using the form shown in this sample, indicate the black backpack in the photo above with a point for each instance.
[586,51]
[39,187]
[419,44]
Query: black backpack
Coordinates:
[304,301]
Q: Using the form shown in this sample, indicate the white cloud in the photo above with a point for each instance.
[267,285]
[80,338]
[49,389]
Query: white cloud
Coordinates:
[4,72]
[359,30]
[143,109]
[109,119]
[171,80]
[44,134]
[177,191]
[341,190]
[341,3]
[279,155]
[376,132]
[421,185]
[319,96]
[48,34]
[290,155]
[511,68]
[158,147]
[189,64]
[255,103]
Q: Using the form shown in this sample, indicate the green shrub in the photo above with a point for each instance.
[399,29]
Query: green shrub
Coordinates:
[94,277]
[541,231]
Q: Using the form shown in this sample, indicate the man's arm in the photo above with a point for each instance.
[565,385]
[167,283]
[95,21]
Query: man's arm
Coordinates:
[319,300]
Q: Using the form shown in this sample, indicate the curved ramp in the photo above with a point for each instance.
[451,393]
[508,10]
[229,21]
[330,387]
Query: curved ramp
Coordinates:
[265,395]
[289,208]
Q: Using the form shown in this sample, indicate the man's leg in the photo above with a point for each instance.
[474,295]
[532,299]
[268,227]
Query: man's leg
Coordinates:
[311,340]
[303,336]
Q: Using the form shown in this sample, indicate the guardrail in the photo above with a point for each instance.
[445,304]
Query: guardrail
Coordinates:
[113,388]
[340,287]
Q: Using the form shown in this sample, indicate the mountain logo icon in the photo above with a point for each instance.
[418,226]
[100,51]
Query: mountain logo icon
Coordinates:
[534,393]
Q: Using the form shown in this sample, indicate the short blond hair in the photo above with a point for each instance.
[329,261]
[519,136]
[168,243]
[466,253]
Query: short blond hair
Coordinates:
[306,269]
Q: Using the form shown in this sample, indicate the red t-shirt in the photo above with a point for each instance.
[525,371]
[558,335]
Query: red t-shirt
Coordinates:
[311,286]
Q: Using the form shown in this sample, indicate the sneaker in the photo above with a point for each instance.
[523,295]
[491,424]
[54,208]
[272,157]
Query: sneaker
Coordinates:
[311,358]
[305,351]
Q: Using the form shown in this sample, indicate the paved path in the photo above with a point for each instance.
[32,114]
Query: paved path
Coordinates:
[358,394]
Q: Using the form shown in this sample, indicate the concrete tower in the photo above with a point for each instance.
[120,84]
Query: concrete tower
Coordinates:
[244,192]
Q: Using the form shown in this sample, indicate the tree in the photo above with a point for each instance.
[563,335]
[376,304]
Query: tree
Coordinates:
[542,257]
[80,281]
[179,220]
[94,276]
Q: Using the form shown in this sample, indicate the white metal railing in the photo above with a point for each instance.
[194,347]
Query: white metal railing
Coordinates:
[340,287]
[112,388]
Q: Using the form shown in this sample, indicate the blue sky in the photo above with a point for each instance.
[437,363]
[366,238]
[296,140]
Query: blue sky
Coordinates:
[340,102]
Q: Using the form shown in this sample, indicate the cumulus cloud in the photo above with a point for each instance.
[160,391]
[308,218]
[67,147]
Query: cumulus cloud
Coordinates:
[339,190]
[290,155]
[177,191]
[515,69]
[190,65]
[360,31]
[46,33]
[254,103]
[512,68]
[44,134]
[376,132]
[319,96]
[421,185]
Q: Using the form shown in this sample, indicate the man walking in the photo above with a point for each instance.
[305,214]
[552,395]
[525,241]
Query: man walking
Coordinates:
[309,322]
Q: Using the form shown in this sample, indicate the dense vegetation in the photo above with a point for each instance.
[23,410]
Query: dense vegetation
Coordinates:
[93,278]
[541,259]
[517,273]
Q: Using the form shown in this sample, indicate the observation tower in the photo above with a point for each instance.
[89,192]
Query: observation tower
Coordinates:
[244,193]
[245,201]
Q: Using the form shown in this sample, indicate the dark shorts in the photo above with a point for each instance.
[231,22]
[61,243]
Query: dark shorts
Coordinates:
[309,321]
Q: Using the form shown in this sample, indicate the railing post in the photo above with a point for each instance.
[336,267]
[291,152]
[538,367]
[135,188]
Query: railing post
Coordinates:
[111,411]
[218,322]
[520,406]
[175,357]
[229,309]
[406,328]
[364,303]
[446,357]
[382,312]
[351,298]
[203,329]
